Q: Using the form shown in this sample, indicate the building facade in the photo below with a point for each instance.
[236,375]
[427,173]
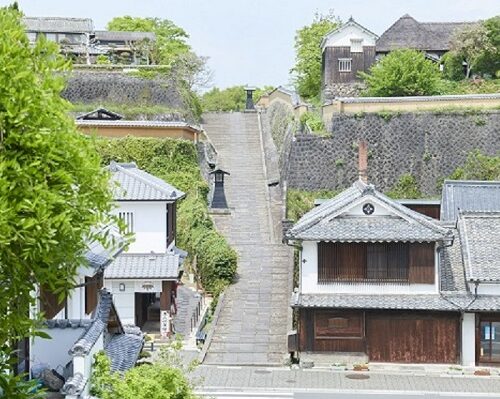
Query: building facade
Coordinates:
[390,284]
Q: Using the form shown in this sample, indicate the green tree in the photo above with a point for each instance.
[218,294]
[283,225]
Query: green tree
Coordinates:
[229,99]
[489,61]
[473,44]
[406,187]
[453,66]
[478,166]
[307,68]
[170,38]
[402,73]
[52,187]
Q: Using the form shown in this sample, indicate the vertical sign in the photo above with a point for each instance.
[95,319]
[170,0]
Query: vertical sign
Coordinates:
[165,321]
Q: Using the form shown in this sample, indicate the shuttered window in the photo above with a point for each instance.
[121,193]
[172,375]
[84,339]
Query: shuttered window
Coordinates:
[383,262]
[128,218]
[345,64]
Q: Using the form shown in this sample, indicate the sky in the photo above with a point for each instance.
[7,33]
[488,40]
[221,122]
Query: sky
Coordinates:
[251,41]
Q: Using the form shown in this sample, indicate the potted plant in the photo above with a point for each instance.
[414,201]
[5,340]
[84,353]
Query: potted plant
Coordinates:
[360,367]
[455,370]
[482,372]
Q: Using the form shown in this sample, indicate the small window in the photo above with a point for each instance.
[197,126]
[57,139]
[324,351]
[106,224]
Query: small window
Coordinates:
[356,45]
[128,218]
[344,64]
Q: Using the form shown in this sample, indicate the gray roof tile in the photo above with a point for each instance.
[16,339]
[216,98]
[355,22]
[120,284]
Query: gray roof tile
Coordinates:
[98,257]
[459,195]
[132,184]
[58,24]
[75,385]
[124,36]
[123,350]
[480,240]
[149,266]
[326,223]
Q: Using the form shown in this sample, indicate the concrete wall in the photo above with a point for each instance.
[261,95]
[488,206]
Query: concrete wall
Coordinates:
[469,339]
[150,225]
[427,145]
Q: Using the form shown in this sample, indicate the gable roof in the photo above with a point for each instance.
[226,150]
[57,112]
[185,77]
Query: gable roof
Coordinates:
[165,266]
[327,222]
[480,239]
[294,96]
[350,22]
[97,256]
[123,36]
[130,183]
[58,24]
[468,195]
[100,114]
[407,32]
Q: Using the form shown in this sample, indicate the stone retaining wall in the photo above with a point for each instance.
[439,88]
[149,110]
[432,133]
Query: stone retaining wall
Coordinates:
[427,145]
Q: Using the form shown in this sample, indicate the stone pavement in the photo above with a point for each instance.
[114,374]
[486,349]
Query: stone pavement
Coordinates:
[255,313]
[287,380]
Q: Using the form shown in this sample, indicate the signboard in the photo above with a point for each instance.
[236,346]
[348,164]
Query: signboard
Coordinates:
[147,286]
[165,325]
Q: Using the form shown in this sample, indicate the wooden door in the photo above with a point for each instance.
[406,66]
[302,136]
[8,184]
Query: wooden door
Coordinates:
[413,337]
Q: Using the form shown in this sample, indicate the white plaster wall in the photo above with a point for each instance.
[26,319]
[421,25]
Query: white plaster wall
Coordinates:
[485,289]
[345,34]
[124,300]
[469,339]
[54,352]
[76,301]
[309,280]
[150,225]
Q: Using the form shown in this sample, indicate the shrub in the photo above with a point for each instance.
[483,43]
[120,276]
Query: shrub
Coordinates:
[299,202]
[478,167]
[406,187]
[402,73]
[453,68]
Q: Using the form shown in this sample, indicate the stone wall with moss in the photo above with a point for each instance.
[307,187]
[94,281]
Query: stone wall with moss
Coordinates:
[427,145]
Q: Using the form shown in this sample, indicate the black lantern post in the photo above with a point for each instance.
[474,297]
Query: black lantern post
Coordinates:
[219,198]
[249,104]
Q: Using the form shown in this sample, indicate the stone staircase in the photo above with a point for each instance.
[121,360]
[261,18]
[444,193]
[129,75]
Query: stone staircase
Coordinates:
[254,318]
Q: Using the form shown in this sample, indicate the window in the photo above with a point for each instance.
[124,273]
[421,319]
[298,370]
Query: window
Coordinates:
[376,262]
[128,218]
[356,45]
[344,64]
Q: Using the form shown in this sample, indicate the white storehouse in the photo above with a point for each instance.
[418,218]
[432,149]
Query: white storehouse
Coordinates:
[143,279]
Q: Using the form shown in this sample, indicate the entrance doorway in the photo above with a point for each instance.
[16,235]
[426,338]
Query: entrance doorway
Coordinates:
[147,311]
[489,344]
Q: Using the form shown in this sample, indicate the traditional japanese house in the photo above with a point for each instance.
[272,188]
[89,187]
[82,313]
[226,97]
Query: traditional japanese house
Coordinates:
[389,284]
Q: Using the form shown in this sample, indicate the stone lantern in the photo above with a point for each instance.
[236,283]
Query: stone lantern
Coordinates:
[219,197]
[249,104]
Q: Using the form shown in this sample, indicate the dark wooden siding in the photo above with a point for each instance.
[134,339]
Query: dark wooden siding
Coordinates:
[92,287]
[386,336]
[413,337]
[360,62]
[49,303]
[398,262]
[171,222]
[432,211]
[422,260]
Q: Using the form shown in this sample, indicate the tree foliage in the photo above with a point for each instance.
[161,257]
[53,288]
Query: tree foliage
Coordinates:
[307,68]
[478,166]
[473,43]
[406,187]
[52,187]
[402,73]
[229,99]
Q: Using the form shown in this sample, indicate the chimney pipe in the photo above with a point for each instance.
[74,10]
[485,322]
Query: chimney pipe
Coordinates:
[363,161]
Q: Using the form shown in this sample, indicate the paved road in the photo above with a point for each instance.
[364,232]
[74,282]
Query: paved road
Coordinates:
[253,324]
[338,395]
[305,382]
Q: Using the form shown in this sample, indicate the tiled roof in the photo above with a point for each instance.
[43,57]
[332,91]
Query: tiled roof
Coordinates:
[477,196]
[98,257]
[74,385]
[480,239]
[350,22]
[452,275]
[407,32]
[381,301]
[137,123]
[148,266]
[133,184]
[58,24]
[295,97]
[98,325]
[100,114]
[123,350]
[124,36]
[327,222]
